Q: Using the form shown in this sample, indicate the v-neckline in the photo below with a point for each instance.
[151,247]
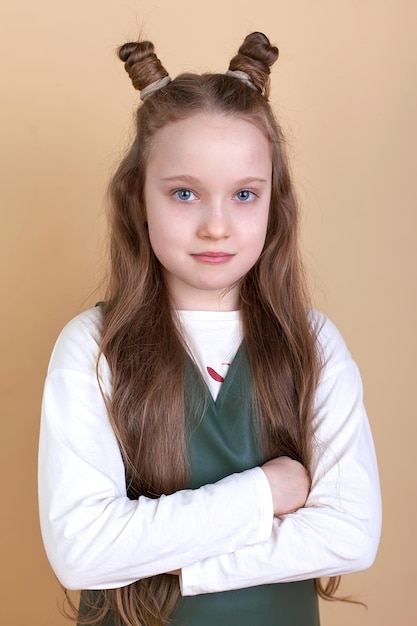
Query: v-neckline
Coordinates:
[217,403]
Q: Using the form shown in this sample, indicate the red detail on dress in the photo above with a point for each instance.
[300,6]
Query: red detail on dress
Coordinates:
[215,375]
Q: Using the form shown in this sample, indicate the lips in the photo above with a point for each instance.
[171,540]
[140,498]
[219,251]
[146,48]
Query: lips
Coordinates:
[212,258]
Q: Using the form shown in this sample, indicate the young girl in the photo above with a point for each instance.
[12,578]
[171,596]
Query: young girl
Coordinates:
[205,455]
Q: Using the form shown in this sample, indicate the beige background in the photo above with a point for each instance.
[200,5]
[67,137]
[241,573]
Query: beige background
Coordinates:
[345,88]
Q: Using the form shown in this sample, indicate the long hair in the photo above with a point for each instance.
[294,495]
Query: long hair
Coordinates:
[140,338]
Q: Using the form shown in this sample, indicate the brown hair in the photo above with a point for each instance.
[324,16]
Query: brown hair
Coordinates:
[139,336]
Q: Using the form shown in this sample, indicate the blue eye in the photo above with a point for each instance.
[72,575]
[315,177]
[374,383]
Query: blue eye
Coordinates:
[245,195]
[184,195]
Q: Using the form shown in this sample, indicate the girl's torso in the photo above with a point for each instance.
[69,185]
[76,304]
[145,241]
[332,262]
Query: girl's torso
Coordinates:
[222,440]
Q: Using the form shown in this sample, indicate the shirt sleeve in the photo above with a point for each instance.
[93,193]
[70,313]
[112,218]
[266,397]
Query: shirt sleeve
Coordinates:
[94,535]
[337,532]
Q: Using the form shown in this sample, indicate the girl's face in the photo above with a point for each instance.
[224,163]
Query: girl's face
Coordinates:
[207,194]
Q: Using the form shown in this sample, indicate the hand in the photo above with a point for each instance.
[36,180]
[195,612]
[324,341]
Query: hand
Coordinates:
[289,483]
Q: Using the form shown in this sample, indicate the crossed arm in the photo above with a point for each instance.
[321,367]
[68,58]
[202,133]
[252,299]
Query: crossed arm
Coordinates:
[249,528]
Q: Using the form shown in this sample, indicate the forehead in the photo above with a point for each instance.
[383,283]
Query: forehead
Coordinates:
[206,140]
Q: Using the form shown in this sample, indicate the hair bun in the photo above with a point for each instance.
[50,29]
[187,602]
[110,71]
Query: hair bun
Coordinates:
[255,57]
[141,63]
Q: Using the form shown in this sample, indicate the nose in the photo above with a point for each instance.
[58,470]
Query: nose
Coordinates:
[215,222]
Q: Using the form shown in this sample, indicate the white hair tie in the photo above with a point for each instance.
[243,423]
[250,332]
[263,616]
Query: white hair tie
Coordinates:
[156,86]
[242,76]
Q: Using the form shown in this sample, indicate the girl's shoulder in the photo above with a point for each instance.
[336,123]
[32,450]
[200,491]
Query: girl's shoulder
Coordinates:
[331,345]
[78,341]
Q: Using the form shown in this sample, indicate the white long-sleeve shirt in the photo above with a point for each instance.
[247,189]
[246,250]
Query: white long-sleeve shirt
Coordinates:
[222,536]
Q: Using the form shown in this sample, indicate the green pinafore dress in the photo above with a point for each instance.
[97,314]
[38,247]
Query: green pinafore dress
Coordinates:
[221,443]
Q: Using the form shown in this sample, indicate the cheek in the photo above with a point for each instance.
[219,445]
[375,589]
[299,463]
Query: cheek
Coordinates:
[259,231]
[254,244]
[260,243]
[165,239]
[153,223]
[155,237]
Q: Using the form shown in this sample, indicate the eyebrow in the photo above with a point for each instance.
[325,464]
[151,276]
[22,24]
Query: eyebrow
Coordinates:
[193,180]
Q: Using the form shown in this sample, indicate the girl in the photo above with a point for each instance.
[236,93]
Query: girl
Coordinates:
[204,451]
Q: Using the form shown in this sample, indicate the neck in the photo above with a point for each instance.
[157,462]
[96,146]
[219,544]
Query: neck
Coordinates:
[207,301]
